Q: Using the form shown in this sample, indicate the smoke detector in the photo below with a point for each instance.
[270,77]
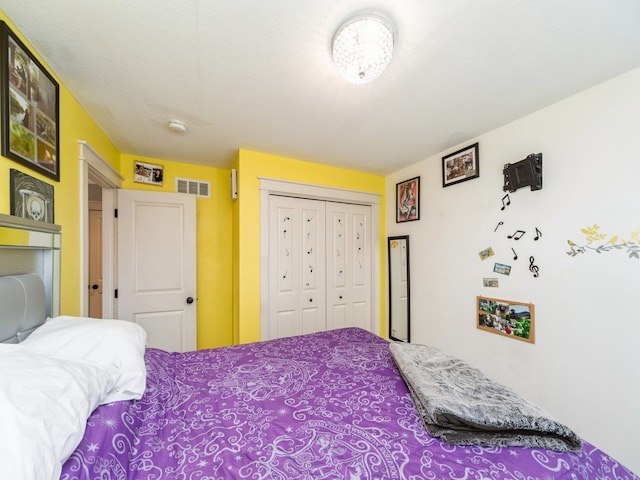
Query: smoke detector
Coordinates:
[177,126]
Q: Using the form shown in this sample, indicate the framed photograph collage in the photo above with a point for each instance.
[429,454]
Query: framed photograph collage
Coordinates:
[30,108]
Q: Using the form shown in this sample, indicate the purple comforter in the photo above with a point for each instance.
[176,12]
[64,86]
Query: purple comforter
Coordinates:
[330,405]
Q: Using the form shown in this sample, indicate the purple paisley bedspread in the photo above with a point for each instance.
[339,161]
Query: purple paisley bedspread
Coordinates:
[330,405]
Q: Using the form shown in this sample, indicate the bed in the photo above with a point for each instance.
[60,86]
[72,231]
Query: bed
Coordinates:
[328,405]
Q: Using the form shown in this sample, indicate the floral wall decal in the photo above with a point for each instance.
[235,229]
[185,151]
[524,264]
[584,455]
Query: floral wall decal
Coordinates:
[597,241]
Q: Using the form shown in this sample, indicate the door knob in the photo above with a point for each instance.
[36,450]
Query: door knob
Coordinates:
[94,286]
[189,300]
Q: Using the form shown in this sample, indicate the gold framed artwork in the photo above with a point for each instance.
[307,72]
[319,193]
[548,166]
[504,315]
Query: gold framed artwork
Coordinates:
[506,317]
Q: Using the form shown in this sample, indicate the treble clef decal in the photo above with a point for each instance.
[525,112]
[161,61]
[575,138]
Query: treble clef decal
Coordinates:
[533,268]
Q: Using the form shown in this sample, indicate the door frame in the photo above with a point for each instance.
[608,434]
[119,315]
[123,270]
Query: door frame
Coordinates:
[95,169]
[272,186]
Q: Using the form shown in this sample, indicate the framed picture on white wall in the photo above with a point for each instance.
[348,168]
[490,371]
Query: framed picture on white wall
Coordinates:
[408,200]
[506,317]
[461,166]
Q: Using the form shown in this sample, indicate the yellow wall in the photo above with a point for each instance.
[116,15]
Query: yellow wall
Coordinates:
[252,165]
[75,124]
[213,243]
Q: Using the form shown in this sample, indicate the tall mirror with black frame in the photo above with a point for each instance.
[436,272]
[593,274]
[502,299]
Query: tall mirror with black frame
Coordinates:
[399,299]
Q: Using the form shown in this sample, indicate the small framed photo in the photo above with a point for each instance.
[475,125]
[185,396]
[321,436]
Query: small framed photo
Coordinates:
[502,269]
[486,253]
[148,173]
[408,200]
[30,198]
[30,108]
[460,166]
[490,282]
[506,317]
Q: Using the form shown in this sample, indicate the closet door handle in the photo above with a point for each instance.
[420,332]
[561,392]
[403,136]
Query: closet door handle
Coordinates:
[189,300]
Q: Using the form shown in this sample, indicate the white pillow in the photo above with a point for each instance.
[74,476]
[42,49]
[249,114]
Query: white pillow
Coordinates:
[104,342]
[44,406]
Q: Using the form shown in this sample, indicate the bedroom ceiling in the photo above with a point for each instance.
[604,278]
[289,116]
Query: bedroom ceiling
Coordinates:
[258,74]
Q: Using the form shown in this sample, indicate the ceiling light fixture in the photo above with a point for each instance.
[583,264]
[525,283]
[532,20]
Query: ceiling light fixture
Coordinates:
[177,126]
[362,47]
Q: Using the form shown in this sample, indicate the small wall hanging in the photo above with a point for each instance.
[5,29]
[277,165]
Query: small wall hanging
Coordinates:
[461,166]
[148,173]
[506,317]
[408,200]
[30,198]
[30,108]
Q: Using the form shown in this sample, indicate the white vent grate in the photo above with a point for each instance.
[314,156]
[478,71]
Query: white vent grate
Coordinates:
[193,187]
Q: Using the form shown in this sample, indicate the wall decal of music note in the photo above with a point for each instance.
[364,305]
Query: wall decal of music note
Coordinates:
[515,255]
[533,268]
[506,201]
[499,223]
[517,235]
[538,234]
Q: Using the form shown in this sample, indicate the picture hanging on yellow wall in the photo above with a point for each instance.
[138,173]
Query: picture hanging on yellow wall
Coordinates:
[30,198]
[506,317]
[148,173]
[30,108]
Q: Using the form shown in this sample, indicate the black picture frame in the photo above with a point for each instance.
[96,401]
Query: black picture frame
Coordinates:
[399,279]
[461,166]
[30,108]
[408,200]
[30,198]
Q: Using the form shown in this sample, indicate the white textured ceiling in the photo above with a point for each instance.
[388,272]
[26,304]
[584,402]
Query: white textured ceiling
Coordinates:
[257,74]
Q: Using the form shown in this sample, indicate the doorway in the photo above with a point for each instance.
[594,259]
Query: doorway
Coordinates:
[95,251]
[98,176]
[97,173]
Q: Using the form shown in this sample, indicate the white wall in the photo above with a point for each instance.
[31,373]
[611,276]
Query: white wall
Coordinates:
[584,367]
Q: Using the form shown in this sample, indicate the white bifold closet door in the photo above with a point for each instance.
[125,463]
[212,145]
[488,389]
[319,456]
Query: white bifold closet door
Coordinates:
[348,259]
[319,266]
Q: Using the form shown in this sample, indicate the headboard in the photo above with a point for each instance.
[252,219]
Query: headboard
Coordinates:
[22,306]
[29,246]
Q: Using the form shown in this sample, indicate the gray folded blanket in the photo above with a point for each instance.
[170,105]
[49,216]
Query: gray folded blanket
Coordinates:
[462,406]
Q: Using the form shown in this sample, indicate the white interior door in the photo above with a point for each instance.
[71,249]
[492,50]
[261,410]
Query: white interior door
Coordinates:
[349,259]
[157,266]
[296,267]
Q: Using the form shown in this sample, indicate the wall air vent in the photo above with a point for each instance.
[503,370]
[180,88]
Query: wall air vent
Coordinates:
[193,187]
